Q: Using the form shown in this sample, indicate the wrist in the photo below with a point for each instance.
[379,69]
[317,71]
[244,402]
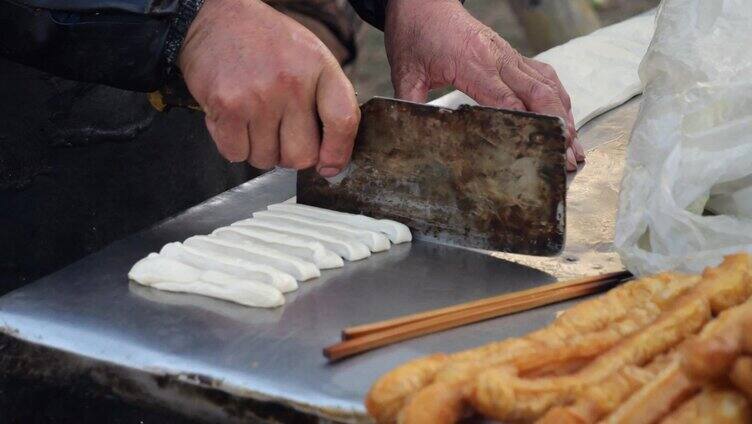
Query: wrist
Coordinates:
[181,22]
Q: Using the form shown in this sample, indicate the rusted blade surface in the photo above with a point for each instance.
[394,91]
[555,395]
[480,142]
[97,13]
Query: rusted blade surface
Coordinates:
[475,177]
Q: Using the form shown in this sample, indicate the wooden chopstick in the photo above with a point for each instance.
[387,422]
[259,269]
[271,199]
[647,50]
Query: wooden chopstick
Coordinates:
[433,321]
[362,330]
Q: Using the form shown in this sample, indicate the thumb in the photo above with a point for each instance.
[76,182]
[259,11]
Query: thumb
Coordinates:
[410,87]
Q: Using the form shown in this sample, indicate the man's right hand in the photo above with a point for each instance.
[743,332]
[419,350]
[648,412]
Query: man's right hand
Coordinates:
[272,92]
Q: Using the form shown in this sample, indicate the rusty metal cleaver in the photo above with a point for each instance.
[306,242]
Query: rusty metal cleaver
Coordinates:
[476,176]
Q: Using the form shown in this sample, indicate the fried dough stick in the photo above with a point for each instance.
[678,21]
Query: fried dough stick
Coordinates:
[505,396]
[706,358]
[600,400]
[444,400]
[741,375]
[390,392]
[712,406]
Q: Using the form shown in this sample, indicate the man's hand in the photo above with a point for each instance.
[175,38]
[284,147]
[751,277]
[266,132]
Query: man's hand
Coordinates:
[434,43]
[272,92]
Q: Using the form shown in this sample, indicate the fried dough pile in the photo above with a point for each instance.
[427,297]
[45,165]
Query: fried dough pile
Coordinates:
[670,348]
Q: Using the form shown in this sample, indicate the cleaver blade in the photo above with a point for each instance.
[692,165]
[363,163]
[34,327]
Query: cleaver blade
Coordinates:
[476,177]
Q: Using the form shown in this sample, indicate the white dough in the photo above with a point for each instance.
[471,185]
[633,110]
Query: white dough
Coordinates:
[307,250]
[256,253]
[397,232]
[376,242]
[170,275]
[208,260]
[351,250]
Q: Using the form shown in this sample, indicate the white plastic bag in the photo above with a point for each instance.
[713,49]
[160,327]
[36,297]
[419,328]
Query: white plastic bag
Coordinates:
[691,148]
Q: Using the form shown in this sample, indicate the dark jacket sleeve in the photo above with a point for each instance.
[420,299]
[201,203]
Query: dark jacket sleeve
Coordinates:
[130,44]
[373,11]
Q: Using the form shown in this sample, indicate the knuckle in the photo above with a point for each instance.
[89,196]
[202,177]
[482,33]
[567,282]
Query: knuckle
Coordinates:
[222,102]
[288,82]
[345,123]
[540,92]
[507,98]
[548,71]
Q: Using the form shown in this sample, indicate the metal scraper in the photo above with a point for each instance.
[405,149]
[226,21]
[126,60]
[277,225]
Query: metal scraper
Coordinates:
[476,176]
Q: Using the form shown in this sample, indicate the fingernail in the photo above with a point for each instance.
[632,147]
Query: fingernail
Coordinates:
[571,161]
[328,171]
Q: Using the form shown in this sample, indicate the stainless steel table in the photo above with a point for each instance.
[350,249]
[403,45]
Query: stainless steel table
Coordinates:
[223,362]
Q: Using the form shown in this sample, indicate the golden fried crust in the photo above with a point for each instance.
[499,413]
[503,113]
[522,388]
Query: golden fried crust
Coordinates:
[442,406]
[507,397]
[600,400]
[741,375]
[385,399]
[711,354]
[627,308]
[730,283]
[655,399]
[712,406]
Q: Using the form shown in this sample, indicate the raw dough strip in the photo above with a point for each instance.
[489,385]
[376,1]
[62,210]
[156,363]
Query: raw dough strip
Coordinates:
[311,251]
[375,241]
[348,249]
[255,253]
[389,393]
[211,261]
[397,232]
[170,275]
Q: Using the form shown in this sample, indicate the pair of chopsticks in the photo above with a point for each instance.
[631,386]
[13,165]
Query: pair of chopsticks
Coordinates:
[366,337]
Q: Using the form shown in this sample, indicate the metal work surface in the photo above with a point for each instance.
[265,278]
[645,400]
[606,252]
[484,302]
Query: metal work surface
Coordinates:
[472,176]
[90,309]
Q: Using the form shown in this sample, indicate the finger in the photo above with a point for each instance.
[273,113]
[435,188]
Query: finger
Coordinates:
[410,87]
[299,136]
[571,161]
[230,136]
[264,129]
[549,73]
[537,96]
[490,90]
[339,114]
[579,152]
[546,74]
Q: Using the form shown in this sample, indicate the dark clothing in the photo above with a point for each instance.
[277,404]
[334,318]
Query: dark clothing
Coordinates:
[129,44]
[84,164]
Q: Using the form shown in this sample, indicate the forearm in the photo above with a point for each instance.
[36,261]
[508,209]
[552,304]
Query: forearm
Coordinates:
[121,43]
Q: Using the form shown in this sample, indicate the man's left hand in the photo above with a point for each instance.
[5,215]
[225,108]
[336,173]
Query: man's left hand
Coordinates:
[435,43]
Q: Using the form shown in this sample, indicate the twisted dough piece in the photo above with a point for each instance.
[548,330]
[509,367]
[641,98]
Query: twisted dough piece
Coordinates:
[505,396]
[708,357]
[389,393]
[712,405]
